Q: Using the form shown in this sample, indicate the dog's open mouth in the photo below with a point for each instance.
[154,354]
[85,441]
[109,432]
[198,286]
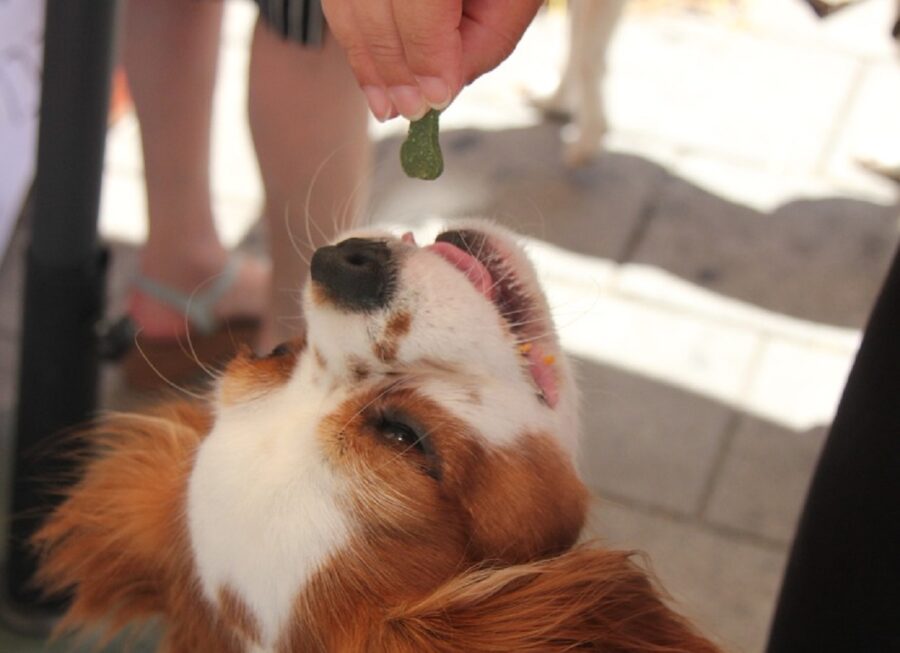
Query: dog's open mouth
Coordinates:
[492,272]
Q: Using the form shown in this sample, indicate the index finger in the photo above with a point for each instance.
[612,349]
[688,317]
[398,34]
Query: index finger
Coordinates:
[429,31]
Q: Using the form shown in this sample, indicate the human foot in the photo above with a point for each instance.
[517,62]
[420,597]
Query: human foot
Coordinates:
[166,301]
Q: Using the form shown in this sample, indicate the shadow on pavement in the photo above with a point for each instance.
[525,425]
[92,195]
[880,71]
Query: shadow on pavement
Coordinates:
[818,259]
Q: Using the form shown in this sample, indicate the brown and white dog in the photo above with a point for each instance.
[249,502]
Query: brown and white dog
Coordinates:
[400,480]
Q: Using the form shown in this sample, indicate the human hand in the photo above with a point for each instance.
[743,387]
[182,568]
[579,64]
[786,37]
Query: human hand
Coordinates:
[413,55]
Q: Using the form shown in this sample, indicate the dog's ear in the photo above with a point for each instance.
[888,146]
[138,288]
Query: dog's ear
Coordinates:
[524,503]
[585,599]
[118,540]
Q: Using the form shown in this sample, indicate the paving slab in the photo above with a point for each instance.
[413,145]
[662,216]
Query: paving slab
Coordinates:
[802,384]
[514,176]
[727,585]
[645,441]
[821,260]
[763,480]
[709,86]
[861,29]
[675,347]
[123,146]
[870,131]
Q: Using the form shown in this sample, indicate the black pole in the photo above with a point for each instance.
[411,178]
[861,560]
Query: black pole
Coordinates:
[64,276]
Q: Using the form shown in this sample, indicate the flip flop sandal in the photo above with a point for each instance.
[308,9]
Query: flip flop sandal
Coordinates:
[158,362]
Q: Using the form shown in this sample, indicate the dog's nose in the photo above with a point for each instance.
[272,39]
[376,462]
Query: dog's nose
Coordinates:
[357,274]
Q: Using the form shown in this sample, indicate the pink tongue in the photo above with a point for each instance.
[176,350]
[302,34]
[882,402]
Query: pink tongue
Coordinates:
[468,264]
[539,364]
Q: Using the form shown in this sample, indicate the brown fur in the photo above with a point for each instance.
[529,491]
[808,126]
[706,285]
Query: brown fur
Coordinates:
[397,327]
[234,611]
[120,539]
[476,559]
[247,376]
[585,599]
[463,547]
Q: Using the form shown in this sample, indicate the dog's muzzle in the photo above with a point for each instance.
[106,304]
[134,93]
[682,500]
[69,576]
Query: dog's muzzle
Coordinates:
[357,274]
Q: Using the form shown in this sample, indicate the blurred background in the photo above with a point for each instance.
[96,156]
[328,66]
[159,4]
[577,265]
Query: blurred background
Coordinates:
[710,269]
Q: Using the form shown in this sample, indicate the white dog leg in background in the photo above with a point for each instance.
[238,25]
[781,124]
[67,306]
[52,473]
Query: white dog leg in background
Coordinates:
[579,95]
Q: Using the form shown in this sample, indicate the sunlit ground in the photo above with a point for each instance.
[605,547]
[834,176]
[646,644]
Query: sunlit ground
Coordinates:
[710,90]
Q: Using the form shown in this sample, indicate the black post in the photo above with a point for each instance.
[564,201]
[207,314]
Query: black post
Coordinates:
[64,277]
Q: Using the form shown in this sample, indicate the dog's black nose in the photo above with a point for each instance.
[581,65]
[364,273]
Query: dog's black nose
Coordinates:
[357,274]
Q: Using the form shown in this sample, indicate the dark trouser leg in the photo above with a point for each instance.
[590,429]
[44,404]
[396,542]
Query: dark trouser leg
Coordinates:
[841,590]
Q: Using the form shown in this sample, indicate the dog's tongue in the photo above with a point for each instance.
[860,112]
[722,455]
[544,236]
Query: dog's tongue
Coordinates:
[469,265]
[539,365]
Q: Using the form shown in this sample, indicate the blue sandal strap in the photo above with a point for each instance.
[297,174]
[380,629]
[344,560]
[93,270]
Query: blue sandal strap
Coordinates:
[198,306]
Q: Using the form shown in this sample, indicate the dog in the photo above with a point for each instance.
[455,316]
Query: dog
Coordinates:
[579,95]
[399,479]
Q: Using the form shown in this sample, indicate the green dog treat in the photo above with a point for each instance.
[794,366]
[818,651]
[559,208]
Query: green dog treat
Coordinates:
[420,154]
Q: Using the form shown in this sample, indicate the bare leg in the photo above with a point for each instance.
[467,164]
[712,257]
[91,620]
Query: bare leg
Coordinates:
[170,53]
[309,124]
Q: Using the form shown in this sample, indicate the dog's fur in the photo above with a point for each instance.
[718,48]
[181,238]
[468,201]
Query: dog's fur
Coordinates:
[400,480]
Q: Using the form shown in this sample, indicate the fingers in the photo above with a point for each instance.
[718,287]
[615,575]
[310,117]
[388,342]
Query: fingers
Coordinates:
[380,41]
[490,30]
[342,22]
[429,30]
[412,55]
[405,54]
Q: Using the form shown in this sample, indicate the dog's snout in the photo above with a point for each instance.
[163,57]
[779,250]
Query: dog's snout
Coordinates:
[357,273]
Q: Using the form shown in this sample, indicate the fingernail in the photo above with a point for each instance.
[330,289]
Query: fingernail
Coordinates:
[435,91]
[408,101]
[379,102]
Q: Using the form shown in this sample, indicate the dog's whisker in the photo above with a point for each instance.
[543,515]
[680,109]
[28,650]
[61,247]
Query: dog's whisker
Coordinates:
[290,234]
[162,376]
[307,210]
[187,328]
[350,209]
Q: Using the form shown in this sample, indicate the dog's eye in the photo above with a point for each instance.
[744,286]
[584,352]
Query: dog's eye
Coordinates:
[408,439]
[400,434]
[281,350]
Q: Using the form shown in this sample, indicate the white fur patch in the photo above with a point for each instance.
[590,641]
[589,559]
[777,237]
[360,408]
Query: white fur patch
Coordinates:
[263,506]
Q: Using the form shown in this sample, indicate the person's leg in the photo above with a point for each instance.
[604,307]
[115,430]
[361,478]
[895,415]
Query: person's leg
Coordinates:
[841,590]
[170,50]
[308,119]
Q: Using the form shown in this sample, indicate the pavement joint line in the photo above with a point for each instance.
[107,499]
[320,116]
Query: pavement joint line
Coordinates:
[605,497]
[841,119]
[726,444]
[648,211]
[729,431]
